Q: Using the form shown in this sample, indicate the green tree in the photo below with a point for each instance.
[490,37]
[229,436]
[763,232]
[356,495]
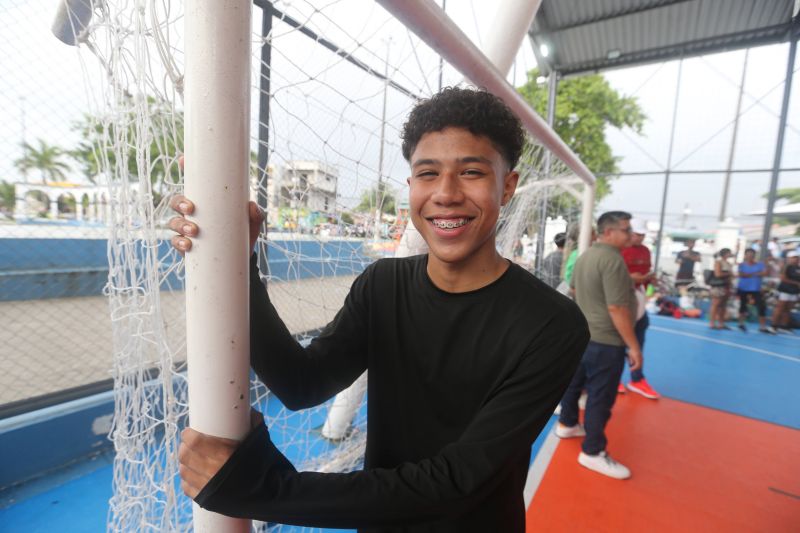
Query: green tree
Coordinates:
[164,132]
[8,195]
[46,159]
[585,107]
[791,194]
[369,196]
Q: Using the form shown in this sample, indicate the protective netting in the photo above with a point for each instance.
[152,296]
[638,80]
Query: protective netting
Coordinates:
[331,178]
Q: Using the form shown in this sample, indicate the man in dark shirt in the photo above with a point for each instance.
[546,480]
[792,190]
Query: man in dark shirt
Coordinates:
[686,260]
[551,265]
[467,354]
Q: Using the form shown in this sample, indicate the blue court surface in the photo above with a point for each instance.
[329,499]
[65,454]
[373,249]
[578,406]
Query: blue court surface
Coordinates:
[748,374]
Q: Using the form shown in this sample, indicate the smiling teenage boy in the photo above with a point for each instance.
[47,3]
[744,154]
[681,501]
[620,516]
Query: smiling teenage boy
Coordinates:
[467,354]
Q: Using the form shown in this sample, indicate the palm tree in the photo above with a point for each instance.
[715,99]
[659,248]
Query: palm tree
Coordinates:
[46,159]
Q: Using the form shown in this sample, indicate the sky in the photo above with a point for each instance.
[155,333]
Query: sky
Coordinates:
[325,109]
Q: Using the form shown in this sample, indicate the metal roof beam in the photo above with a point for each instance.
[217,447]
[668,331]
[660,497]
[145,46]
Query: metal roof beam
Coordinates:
[719,43]
[633,10]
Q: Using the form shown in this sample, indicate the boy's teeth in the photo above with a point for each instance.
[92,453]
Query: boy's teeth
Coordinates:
[449,223]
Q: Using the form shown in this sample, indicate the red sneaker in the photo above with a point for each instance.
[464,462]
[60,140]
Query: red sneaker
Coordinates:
[643,387]
[621,388]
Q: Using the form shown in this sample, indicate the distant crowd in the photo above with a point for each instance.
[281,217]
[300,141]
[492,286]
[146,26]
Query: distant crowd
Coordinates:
[610,281]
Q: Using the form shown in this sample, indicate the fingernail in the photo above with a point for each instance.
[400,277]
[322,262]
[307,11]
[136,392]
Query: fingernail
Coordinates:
[184,206]
[187,228]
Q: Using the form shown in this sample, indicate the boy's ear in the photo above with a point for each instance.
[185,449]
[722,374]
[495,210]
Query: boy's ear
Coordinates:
[509,186]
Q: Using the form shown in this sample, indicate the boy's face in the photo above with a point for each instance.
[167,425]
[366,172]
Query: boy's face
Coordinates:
[458,183]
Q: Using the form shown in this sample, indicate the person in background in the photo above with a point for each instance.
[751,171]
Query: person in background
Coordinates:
[720,289]
[570,253]
[788,293]
[686,260]
[604,293]
[637,259]
[551,265]
[751,275]
[774,248]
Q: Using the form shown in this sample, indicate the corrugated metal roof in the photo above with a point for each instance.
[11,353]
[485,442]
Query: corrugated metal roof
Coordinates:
[589,35]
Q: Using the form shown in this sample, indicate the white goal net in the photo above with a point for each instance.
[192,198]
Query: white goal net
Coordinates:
[332,84]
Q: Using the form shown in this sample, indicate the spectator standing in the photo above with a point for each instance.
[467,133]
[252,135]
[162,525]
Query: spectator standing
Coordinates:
[720,289]
[686,260]
[551,265]
[788,293]
[637,259]
[774,248]
[604,293]
[751,275]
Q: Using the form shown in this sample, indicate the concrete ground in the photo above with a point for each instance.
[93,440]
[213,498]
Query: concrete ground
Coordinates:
[51,345]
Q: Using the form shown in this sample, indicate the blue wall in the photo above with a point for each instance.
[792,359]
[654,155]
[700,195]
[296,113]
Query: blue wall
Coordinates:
[33,269]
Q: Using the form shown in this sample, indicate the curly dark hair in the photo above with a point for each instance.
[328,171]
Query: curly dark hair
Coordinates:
[478,111]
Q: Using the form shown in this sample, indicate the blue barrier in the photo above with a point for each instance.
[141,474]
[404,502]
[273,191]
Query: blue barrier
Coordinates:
[34,269]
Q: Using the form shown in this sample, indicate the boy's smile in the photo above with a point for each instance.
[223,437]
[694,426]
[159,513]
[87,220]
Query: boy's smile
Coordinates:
[458,183]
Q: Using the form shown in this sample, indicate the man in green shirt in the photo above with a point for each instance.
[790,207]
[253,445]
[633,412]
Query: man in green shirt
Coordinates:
[604,292]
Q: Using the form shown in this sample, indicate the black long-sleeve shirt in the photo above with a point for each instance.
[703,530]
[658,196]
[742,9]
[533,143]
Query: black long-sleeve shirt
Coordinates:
[460,385]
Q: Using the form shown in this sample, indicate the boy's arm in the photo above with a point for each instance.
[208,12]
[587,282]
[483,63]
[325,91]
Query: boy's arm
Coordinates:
[304,377]
[258,482]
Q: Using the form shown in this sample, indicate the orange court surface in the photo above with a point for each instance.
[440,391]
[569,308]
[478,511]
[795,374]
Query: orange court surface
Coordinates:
[694,469]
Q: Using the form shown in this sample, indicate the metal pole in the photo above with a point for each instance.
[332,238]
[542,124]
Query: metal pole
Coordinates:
[552,86]
[726,184]
[585,235]
[776,165]
[426,20]
[263,129]
[217,139]
[378,191]
[441,59]
[669,164]
[24,143]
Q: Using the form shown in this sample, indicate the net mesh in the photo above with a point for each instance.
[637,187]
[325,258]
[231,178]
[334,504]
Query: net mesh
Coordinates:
[331,178]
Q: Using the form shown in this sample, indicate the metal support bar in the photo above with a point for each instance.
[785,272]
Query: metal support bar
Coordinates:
[552,87]
[727,183]
[669,164]
[263,127]
[773,186]
[302,28]
[428,21]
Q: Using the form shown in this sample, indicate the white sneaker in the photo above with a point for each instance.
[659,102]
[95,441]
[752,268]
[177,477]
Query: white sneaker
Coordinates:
[566,432]
[602,463]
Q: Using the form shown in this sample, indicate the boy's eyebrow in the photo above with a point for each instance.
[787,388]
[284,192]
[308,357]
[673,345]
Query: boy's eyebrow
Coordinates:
[419,162]
[467,159]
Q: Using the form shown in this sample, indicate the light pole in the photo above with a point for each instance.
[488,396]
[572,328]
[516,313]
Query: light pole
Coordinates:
[378,191]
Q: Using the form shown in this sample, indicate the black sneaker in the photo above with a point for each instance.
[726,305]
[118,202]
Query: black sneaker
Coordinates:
[768,330]
[743,327]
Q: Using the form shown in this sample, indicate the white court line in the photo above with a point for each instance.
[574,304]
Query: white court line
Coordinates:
[726,343]
[539,466]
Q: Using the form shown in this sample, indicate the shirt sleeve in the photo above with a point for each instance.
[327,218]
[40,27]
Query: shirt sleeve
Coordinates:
[303,377]
[258,482]
[617,282]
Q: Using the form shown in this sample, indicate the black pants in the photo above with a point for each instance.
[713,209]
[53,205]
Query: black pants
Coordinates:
[599,373]
[759,301]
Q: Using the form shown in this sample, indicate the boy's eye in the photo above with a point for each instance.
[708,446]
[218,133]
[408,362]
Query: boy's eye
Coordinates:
[426,173]
[473,172]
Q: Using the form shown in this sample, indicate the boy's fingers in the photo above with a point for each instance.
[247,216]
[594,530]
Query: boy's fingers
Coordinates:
[181,204]
[183,226]
[182,244]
